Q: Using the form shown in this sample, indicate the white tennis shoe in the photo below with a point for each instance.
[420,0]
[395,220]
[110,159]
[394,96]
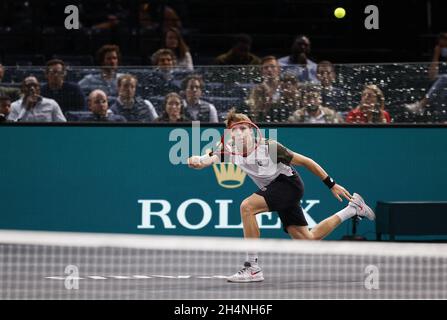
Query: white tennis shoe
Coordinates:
[362,210]
[248,273]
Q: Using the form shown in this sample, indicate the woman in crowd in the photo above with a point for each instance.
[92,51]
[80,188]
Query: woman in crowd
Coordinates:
[174,41]
[173,109]
[371,108]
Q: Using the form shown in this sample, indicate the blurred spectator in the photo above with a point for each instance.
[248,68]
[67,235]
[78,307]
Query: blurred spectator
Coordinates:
[433,107]
[33,107]
[439,56]
[108,57]
[240,53]
[19,14]
[165,75]
[173,109]
[194,107]
[67,94]
[5,108]
[290,94]
[98,105]
[156,15]
[371,108]
[165,61]
[173,40]
[332,96]
[266,94]
[132,107]
[12,93]
[298,61]
[104,14]
[313,110]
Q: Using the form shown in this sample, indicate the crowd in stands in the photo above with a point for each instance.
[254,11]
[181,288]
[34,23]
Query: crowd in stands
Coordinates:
[290,89]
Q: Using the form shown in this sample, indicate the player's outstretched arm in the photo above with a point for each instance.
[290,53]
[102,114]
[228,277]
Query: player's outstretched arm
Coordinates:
[337,190]
[200,162]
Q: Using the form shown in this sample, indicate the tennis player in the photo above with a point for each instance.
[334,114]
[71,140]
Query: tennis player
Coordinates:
[280,190]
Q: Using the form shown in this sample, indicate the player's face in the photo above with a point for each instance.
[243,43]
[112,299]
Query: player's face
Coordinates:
[242,136]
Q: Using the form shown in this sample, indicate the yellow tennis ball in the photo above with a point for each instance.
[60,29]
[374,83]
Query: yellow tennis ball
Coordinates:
[339,13]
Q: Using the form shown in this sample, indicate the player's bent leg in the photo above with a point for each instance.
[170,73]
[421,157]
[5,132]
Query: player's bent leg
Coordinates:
[356,206]
[318,232]
[325,227]
[250,207]
[300,232]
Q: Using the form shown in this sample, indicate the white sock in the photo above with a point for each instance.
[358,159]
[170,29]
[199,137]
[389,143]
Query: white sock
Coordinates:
[252,257]
[346,213]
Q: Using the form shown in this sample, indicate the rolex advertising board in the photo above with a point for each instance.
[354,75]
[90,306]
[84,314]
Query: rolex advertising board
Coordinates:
[135,179]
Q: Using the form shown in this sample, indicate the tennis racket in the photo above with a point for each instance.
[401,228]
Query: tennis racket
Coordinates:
[240,139]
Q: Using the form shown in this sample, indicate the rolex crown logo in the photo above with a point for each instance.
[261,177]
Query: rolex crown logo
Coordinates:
[229,175]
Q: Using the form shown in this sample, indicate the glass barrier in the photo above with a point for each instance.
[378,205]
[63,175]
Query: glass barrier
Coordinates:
[324,93]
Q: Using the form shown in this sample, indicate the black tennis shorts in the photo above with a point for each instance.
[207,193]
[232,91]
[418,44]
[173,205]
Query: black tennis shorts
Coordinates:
[283,195]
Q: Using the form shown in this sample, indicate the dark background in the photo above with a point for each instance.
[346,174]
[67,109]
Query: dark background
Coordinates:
[408,29]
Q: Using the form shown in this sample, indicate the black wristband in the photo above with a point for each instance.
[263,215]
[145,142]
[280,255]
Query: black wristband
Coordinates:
[329,182]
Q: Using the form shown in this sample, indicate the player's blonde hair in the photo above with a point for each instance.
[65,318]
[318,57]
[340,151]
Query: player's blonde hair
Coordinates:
[233,117]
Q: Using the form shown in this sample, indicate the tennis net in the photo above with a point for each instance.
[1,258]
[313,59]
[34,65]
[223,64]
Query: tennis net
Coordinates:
[52,265]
